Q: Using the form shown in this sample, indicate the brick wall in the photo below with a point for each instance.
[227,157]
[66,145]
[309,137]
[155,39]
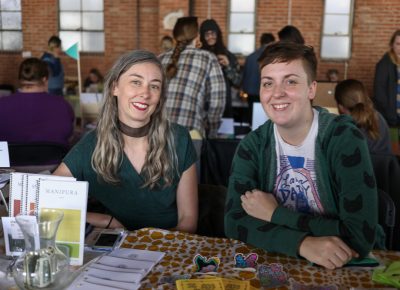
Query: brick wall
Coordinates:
[131,24]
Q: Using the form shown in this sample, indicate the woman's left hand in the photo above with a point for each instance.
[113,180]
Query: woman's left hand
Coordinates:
[259,204]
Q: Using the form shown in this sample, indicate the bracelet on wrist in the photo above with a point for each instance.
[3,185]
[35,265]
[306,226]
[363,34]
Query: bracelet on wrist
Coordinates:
[109,223]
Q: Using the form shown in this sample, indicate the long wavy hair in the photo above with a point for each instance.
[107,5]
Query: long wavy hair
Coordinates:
[160,165]
[352,95]
[185,30]
[219,46]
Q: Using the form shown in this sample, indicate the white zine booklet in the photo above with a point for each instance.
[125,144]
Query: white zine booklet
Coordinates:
[29,199]
[16,193]
[71,198]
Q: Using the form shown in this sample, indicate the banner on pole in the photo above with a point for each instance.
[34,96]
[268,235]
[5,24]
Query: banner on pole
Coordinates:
[73,51]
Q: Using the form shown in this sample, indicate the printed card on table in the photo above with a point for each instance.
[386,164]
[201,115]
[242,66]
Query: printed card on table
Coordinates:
[4,156]
[198,284]
[71,198]
[13,238]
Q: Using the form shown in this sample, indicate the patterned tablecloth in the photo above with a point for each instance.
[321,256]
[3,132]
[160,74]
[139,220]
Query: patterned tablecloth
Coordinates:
[180,249]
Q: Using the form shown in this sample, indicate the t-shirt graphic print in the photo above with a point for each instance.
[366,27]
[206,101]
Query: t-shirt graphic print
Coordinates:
[296,186]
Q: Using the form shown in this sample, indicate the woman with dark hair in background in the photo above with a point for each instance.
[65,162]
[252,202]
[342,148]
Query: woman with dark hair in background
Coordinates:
[386,82]
[211,40]
[94,82]
[352,99]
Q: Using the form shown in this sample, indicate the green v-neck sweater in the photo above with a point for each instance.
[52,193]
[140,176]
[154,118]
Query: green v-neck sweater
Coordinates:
[345,182]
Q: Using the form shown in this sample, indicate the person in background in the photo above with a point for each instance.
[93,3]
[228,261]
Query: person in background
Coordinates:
[52,58]
[251,72]
[211,40]
[302,184]
[332,75]
[291,33]
[386,82]
[139,166]
[94,82]
[352,99]
[32,114]
[196,88]
[167,43]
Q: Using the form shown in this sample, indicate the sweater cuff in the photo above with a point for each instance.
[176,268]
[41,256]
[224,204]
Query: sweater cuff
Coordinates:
[285,217]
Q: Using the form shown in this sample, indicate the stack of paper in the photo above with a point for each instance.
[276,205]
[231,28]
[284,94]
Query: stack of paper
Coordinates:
[119,269]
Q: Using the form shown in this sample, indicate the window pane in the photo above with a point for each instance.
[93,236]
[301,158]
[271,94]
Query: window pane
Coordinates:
[93,41]
[93,21]
[335,47]
[69,38]
[12,40]
[11,20]
[70,20]
[243,22]
[70,5]
[241,43]
[337,6]
[336,24]
[11,5]
[242,6]
[92,5]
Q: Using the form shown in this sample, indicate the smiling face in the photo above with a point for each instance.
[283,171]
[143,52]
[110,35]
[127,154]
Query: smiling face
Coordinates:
[211,37]
[138,92]
[285,94]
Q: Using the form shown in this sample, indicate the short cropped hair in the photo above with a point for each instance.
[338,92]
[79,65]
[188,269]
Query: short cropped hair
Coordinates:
[283,51]
[54,41]
[266,38]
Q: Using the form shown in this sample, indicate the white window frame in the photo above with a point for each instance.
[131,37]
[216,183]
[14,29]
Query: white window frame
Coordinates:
[5,31]
[251,34]
[328,36]
[68,40]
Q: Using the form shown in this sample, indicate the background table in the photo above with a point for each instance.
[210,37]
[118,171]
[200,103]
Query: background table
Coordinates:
[180,248]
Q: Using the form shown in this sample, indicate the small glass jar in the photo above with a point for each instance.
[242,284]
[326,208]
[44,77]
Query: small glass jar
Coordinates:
[42,265]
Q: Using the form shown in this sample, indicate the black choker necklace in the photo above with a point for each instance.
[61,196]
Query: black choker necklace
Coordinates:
[134,132]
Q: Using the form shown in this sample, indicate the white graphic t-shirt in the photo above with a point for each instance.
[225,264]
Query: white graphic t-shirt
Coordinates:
[296,186]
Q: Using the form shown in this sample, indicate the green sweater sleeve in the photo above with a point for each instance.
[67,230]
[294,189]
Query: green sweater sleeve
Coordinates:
[351,201]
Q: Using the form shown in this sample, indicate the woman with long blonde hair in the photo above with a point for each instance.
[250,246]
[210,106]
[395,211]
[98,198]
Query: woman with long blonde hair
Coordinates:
[138,165]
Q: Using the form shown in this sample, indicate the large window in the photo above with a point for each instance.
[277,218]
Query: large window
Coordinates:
[82,21]
[10,25]
[241,37]
[336,34]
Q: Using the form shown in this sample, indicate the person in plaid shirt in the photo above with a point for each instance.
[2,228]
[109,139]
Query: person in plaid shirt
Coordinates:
[196,89]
